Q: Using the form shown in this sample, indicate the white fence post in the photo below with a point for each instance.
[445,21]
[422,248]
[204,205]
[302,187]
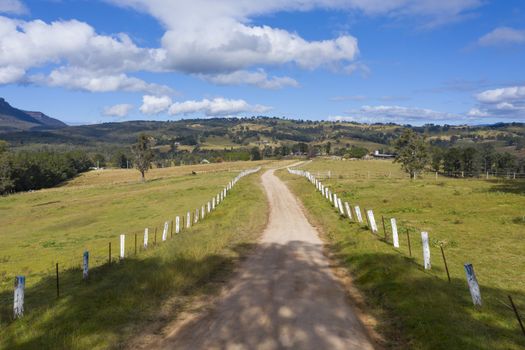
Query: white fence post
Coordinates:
[426,250]
[340,206]
[146,234]
[348,210]
[165,231]
[85,265]
[395,236]
[18,304]
[122,245]
[177,224]
[203,212]
[371,220]
[358,214]
[188,220]
[196,216]
[473,285]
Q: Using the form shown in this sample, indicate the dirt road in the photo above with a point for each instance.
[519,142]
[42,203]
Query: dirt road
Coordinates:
[284,296]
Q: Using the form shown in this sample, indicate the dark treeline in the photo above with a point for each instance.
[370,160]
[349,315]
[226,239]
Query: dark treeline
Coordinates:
[31,170]
[474,160]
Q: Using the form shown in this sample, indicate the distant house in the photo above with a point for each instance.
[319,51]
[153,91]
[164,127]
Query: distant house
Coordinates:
[376,154]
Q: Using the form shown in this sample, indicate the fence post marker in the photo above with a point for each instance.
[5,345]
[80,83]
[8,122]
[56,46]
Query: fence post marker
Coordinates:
[85,266]
[165,231]
[473,285]
[58,283]
[177,224]
[409,247]
[146,234]
[109,257]
[517,314]
[171,230]
[155,237]
[18,304]
[122,245]
[135,244]
[445,260]
[395,236]
[426,250]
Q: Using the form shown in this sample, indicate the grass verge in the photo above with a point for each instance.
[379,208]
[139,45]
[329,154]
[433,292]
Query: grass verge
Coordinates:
[419,309]
[121,299]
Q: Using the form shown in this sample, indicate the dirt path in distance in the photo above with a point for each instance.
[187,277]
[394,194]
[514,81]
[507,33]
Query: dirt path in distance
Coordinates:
[283,296]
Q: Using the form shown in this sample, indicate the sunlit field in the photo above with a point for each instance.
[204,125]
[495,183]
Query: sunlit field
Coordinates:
[477,221]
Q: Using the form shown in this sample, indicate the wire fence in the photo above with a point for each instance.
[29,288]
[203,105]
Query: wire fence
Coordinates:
[393,234]
[119,248]
[329,174]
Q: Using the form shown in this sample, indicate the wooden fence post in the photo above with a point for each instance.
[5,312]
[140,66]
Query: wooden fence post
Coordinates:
[155,237]
[384,227]
[18,304]
[426,250]
[109,257]
[85,265]
[146,234]
[517,314]
[58,282]
[358,214]
[445,261]
[177,224]
[135,243]
[171,230]
[473,285]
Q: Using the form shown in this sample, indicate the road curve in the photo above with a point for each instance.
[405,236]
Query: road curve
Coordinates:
[284,296]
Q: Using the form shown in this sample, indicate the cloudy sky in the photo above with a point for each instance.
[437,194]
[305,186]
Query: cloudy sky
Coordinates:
[404,61]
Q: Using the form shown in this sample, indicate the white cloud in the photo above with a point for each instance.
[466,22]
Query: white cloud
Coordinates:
[120,110]
[502,94]
[96,81]
[15,7]
[216,107]
[155,104]
[258,78]
[395,114]
[85,60]
[506,102]
[503,36]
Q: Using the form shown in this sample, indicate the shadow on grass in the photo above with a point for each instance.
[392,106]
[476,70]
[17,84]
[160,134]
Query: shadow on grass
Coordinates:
[426,311]
[104,310]
[508,186]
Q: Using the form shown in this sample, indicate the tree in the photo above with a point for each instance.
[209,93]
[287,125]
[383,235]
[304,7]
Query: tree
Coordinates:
[436,159]
[412,152]
[143,153]
[255,153]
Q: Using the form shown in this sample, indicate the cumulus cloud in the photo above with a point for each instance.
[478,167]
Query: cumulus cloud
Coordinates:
[258,78]
[120,110]
[85,60]
[395,114]
[155,104]
[503,36]
[96,81]
[506,102]
[15,7]
[216,107]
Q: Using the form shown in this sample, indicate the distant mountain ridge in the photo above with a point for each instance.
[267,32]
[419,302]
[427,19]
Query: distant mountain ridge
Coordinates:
[14,119]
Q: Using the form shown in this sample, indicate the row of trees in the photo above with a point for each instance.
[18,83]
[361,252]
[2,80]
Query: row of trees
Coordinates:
[31,170]
[415,155]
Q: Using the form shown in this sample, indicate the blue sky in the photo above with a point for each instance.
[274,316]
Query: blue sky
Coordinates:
[403,61]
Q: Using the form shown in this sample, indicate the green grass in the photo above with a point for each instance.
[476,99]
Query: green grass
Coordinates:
[480,222]
[121,299]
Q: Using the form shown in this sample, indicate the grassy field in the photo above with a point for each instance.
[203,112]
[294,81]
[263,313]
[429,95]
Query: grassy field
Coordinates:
[57,225]
[477,221]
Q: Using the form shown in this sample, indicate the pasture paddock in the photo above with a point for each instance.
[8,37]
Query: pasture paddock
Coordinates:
[477,221]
